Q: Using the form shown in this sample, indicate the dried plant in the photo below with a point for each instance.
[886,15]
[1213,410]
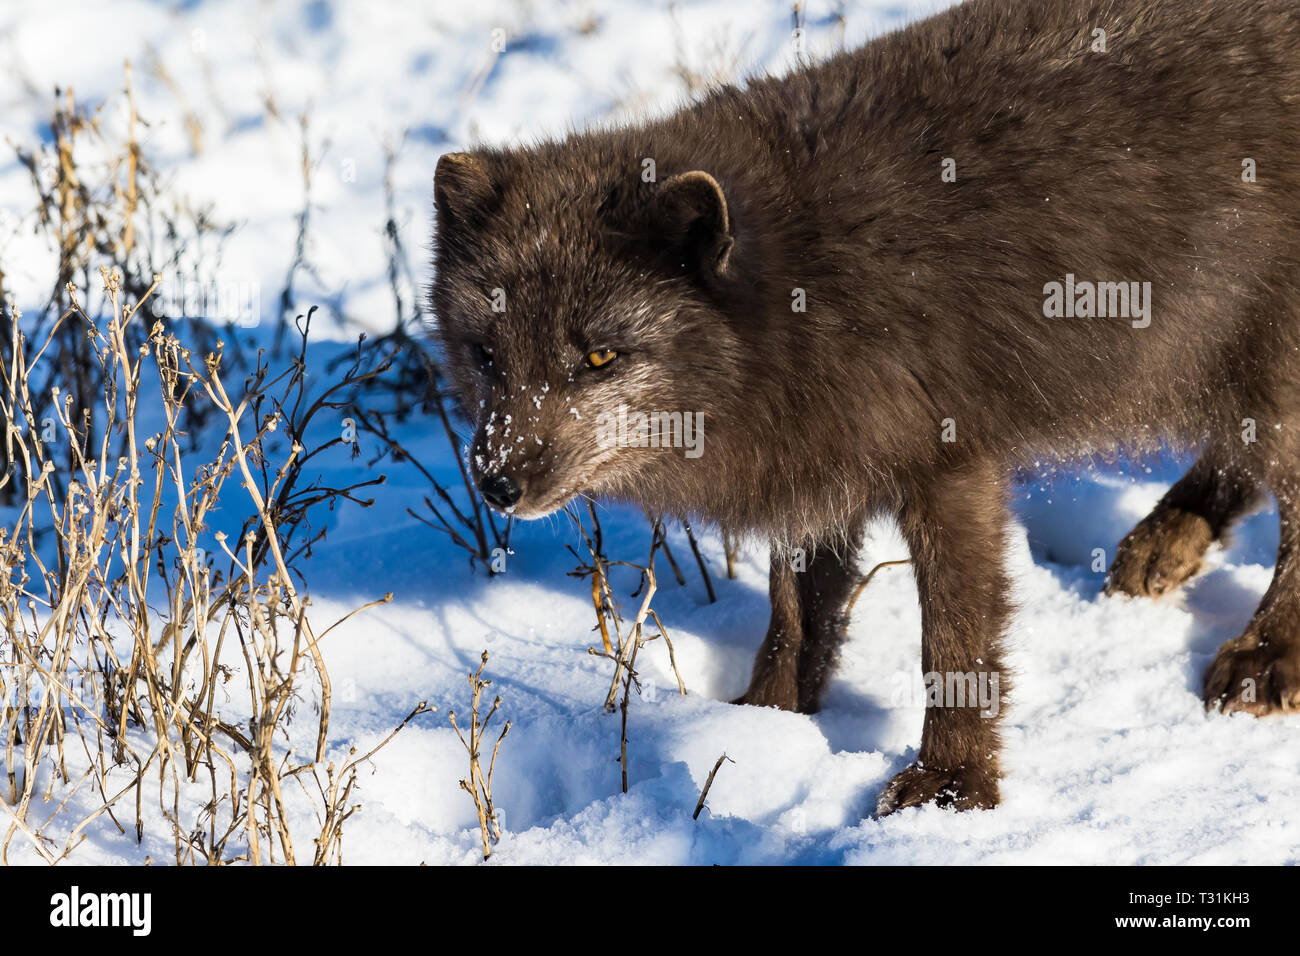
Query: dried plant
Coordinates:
[126,643]
[708,785]
[479,785]
[336,793]
[862,585]
[413,380]
[98,199]
[731,548]
[699,561]
[609,616]
[628,637]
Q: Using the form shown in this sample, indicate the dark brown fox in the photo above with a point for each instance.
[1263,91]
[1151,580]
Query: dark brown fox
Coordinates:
[881,283]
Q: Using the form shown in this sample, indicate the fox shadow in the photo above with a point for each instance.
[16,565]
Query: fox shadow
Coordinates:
[1067,516]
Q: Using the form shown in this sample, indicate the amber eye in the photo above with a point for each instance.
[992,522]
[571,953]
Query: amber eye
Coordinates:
[601,357]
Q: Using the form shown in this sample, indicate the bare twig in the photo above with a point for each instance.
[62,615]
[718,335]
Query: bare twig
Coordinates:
[867,580]
[708,784]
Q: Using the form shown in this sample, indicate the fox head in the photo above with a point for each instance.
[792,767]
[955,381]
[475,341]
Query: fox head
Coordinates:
[582,314]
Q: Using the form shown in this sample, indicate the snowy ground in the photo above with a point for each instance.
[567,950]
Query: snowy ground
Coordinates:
[1109,756]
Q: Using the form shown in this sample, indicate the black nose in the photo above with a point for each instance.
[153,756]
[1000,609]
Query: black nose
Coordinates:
[499,491]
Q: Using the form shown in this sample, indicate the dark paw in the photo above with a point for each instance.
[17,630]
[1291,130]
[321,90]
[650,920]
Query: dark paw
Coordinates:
[1254,675]
[1163,551]
[966,788]
[771,694]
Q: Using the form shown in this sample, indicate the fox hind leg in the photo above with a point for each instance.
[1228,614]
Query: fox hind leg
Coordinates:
[1259,672]
[810,590]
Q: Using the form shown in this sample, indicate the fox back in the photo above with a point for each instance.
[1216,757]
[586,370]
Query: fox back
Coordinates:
[851,273]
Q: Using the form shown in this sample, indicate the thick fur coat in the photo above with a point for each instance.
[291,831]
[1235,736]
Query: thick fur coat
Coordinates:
[871,278]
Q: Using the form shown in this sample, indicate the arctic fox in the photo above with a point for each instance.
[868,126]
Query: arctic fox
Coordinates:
[855,276]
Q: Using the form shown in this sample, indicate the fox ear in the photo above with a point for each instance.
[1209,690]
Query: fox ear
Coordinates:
[462,188]
[692,218]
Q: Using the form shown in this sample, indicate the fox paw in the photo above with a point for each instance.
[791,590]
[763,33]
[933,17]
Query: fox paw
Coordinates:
[1165,549]
[773,692]
[1254,676]
[966,788]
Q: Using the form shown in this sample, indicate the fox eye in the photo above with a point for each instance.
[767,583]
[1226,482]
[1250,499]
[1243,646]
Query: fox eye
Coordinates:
[601,357]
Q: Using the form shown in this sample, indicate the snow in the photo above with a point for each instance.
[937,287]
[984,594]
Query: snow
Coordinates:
[1109,756]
